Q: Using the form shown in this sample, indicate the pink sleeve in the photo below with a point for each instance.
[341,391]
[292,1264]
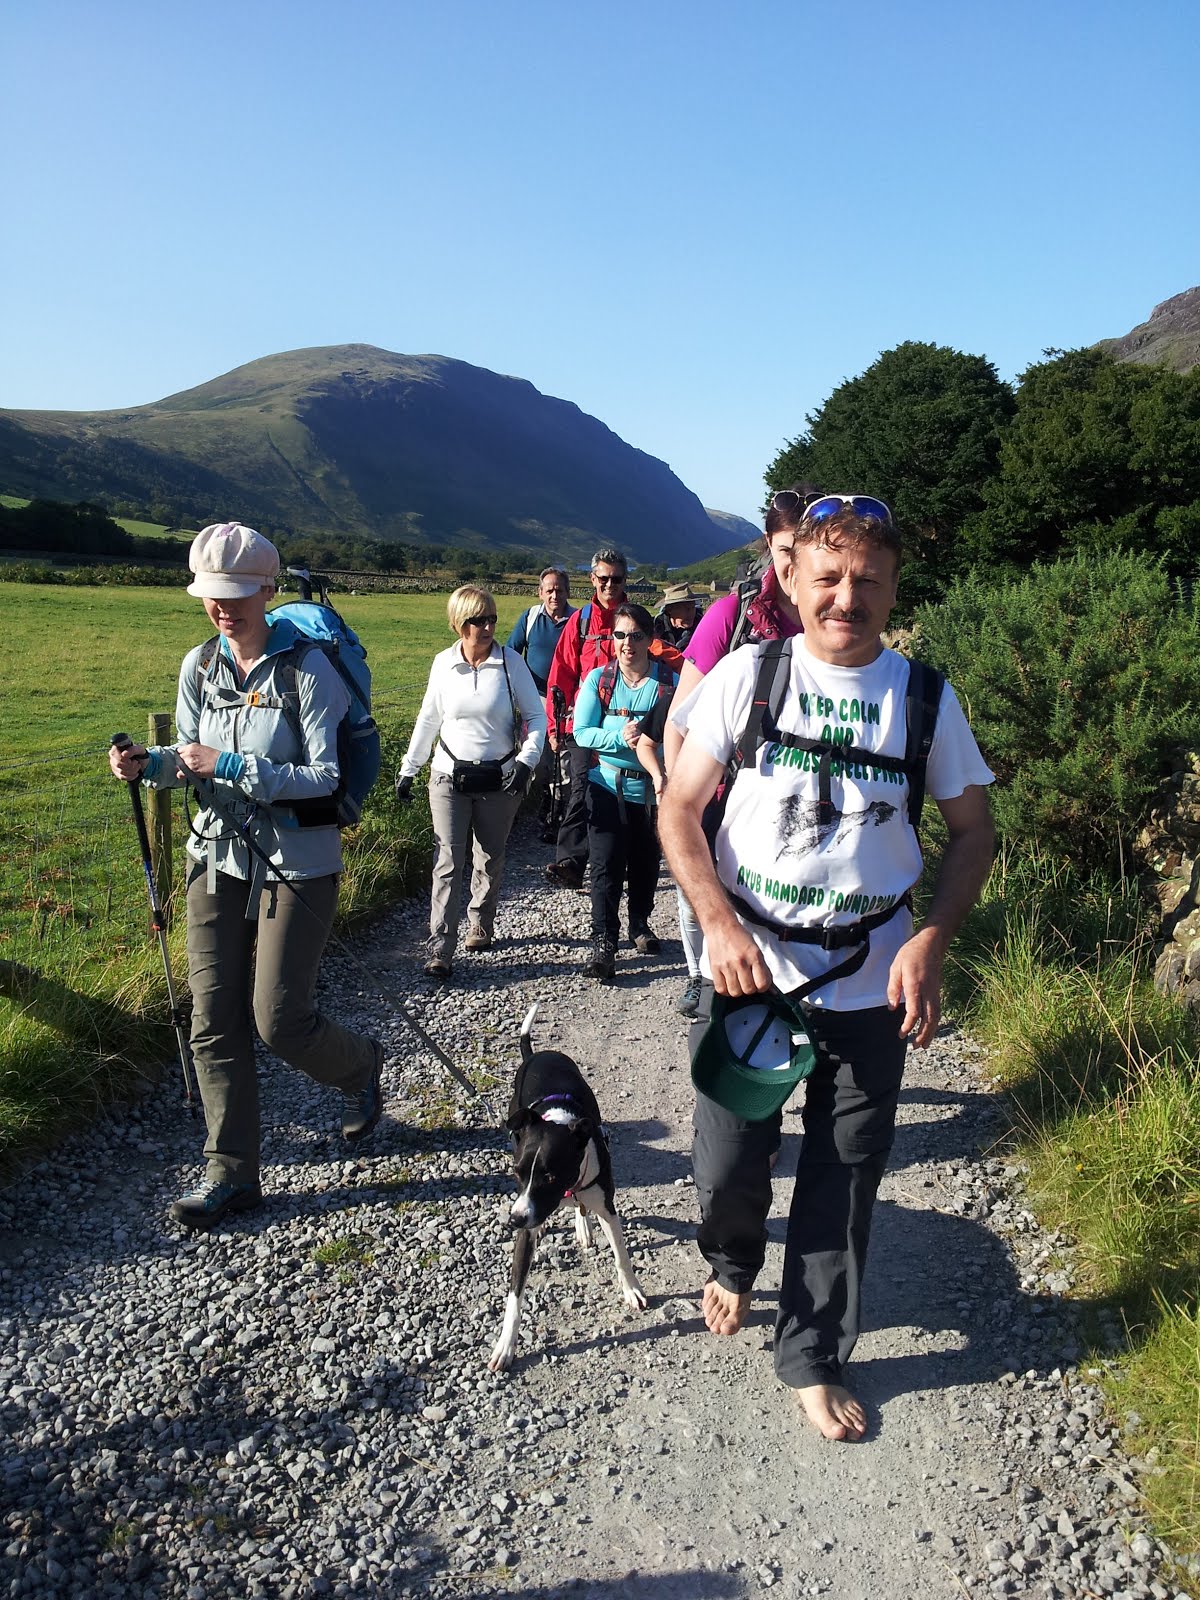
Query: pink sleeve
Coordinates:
[710,642]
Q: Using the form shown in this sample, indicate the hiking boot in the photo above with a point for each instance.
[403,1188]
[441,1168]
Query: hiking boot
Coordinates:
[644,941]
[477,938]
[437,967]
[602,965]
[364,1107]
[689,1001]
[214,1199]
[567,874]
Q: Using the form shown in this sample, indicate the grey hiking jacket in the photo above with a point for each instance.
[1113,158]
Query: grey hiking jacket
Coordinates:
[278,764]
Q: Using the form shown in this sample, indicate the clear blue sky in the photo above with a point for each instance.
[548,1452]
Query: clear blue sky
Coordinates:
[691,218]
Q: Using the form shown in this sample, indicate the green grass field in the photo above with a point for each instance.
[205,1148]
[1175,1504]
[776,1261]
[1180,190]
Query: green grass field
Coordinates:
[116,655]
[78,977]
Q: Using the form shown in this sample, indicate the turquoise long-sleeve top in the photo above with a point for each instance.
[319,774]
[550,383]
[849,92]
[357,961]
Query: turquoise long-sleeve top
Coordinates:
[603,732]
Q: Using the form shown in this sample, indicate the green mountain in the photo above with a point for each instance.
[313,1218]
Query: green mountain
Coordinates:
[1171,338]
[735,529]
[350,439]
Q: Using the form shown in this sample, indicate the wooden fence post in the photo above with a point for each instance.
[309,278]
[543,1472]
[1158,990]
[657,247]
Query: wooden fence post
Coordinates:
[159,806]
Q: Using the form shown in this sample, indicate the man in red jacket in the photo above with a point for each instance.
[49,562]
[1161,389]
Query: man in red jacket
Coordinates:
[585,643]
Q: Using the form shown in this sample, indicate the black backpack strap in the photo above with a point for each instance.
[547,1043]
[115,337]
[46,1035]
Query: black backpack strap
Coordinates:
[924,696]
[208,655]
[606,684]
[747,593]
[838,938]
[770,686]
[517,720]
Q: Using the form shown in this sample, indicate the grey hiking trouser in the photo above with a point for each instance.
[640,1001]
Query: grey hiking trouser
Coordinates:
[849,1124]
[483,821]
[279,954]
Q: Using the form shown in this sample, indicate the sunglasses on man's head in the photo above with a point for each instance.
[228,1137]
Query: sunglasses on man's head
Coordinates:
[862,505]
[488,621]
[635,637]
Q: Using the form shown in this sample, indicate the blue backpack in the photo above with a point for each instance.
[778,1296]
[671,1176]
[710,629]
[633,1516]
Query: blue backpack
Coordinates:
[359,754]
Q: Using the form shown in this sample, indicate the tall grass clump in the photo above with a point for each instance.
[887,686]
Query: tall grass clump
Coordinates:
[1052,972]
[1082,684]
[1081,680]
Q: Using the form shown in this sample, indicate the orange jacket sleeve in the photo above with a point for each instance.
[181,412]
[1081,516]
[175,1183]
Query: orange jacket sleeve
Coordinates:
[666,653]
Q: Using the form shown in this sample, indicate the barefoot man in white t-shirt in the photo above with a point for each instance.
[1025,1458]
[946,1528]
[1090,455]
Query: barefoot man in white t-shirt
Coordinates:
[805,895]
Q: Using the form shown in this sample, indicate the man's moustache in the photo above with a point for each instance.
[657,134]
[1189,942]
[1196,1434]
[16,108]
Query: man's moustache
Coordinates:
[835,614]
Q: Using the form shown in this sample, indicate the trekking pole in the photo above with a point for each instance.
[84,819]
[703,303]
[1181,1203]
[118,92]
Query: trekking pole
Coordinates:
[558,784]
[205,790]
[158,922]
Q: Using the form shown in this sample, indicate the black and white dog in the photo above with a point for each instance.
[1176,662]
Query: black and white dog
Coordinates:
[559,1153]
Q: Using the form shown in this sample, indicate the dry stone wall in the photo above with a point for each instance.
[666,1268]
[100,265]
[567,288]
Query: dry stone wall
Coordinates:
[1169,846]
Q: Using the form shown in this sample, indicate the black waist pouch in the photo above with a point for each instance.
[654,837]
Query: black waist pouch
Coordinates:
[477,777]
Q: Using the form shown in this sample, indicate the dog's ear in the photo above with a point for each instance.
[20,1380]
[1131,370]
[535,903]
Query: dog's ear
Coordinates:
[584,1131]
[516,1120]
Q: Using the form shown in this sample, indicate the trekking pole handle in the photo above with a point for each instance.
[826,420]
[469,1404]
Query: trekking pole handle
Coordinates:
[158,922]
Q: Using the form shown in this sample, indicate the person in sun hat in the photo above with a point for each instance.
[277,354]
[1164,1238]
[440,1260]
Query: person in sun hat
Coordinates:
[809,946]
[256,716]
[677,615]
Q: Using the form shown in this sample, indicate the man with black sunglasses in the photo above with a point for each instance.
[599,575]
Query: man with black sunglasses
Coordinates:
[585,644]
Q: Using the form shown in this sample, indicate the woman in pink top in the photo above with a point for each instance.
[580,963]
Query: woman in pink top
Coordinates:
[722,628]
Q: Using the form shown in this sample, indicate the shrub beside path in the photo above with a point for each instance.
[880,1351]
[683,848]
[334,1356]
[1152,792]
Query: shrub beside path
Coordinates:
[301,1406]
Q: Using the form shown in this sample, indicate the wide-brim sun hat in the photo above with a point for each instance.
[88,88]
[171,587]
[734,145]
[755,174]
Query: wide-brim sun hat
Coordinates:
[231,562]
[676,594]
[752,1055]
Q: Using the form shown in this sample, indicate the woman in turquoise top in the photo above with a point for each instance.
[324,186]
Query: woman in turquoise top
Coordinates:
[622,838]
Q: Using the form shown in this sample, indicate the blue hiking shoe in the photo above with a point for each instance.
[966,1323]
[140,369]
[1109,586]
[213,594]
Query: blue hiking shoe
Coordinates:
[689,1001]
[364,1107]
[205,1206]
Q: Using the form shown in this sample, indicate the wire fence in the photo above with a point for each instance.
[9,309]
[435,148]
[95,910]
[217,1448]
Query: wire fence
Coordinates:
[71,882]
[70,867]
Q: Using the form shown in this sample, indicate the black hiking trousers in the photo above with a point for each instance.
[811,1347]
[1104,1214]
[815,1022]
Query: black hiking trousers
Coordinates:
[573,829]
[849,1123]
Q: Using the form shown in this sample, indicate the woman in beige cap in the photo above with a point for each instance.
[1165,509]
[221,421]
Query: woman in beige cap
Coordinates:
[257,716]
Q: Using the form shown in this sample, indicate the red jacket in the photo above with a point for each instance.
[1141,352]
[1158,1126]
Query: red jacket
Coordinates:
[586,642]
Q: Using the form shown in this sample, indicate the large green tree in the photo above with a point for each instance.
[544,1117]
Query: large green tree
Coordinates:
[920,428]
[1101,455]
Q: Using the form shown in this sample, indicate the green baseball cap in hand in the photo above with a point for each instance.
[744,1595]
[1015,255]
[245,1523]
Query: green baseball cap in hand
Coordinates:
[753,1053]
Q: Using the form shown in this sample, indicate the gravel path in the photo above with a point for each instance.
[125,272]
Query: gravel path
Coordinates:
[301,1406]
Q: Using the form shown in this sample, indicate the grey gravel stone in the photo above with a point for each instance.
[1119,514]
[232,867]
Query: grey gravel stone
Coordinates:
[300,1405]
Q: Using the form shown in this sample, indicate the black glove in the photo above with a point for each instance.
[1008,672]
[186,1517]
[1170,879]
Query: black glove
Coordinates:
[404,790]
[518,779]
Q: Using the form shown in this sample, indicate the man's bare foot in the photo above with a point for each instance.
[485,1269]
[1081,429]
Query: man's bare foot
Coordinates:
[724,1311]
[833,1411]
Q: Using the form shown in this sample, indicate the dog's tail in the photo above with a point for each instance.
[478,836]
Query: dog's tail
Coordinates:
[527,1032]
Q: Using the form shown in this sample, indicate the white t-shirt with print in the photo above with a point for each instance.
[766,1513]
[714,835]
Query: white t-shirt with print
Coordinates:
[775,851]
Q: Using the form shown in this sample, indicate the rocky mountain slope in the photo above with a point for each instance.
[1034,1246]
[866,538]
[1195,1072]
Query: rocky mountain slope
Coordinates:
[1170,338]
[353,439]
